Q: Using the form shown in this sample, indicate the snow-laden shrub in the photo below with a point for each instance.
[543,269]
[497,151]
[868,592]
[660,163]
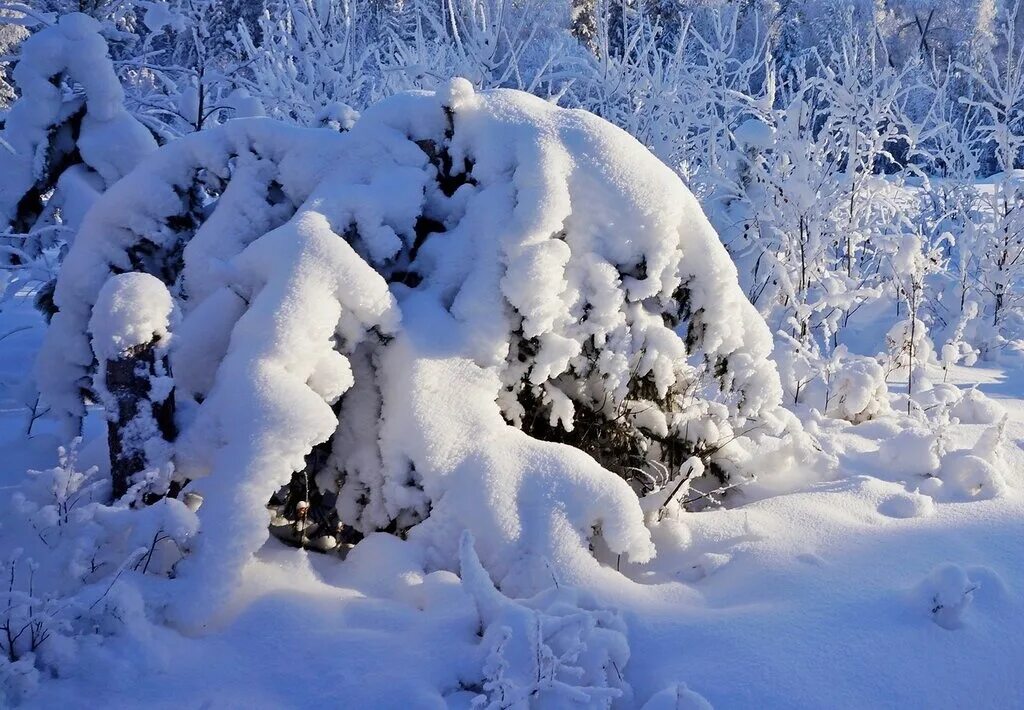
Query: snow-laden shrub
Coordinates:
[403,312]
[947,593]
[67,137]
[974,407]
[910,453]
[978,472]
[857,390]
[923,457]
[78,570]
[845,386]
[555,648]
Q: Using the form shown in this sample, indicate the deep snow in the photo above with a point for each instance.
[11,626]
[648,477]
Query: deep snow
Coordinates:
[821,597]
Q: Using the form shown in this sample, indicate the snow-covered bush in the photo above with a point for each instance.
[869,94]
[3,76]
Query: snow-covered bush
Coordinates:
[973,407]
[845,386]
[309,56]
[67,137]
[978,472]
[922,456]
[947,593]
[855,388]
[373,310]
[555,648]
[79,575]
[305,57]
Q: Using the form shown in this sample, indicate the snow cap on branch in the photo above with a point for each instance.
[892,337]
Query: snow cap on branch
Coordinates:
[132,309]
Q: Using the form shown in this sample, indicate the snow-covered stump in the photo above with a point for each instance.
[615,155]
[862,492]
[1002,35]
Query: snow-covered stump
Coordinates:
[130,329]
[129,384]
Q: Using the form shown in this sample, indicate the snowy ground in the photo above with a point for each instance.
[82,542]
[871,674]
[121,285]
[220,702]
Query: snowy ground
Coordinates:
[817,604]
[818,598]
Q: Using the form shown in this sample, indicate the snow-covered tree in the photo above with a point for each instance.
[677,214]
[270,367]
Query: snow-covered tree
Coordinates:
[67,138]
[413,316]
[180,74]
[999,82]
[309,59]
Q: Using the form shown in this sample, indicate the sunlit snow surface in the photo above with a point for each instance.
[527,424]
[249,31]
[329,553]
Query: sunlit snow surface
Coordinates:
[818,598]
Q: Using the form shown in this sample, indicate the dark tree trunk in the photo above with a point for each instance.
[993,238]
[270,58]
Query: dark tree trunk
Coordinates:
[128,381]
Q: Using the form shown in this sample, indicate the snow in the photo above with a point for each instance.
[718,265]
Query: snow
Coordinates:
[907,505]
[911,452]
[496,486]
[414,308]
[677,697]
[546,651]
[754,134]
[132,309]
[950,591]
[975,408]
[838,610]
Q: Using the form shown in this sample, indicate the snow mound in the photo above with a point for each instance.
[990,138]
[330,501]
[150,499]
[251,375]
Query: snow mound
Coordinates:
[416,315]
[978,472]
[971,476]
[947,592]
[907,505]
[677,697]
[975,408]
[754,134]
[911,452]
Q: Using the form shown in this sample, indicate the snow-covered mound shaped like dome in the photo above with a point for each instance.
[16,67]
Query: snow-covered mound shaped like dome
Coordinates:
[418,314]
